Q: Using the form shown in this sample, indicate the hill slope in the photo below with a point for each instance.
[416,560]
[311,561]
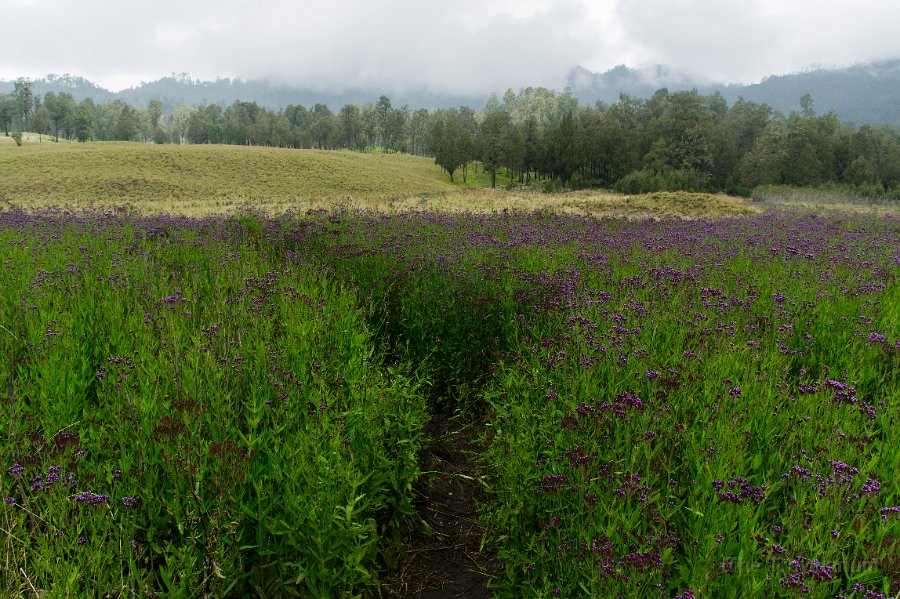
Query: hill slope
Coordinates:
[200,180]
[204,179]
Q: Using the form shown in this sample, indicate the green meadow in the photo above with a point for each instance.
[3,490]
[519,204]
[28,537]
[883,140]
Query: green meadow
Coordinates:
[664,395]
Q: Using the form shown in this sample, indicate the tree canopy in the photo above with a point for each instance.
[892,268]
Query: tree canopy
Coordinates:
[672,140]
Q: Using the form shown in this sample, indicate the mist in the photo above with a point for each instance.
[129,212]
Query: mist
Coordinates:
[465,47]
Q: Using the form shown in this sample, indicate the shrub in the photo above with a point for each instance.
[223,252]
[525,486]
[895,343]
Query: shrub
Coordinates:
[648,181]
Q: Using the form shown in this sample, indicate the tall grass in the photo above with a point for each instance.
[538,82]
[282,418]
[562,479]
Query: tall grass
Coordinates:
[674,408]
[677,408]
[188,411]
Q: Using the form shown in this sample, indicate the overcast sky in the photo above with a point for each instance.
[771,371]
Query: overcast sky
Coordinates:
[461,46]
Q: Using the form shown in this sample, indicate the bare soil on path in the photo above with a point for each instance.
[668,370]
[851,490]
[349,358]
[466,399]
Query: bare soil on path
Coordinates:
[443,557]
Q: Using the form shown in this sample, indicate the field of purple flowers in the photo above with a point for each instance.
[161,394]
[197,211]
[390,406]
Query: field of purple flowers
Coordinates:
[231,407]
[191,413]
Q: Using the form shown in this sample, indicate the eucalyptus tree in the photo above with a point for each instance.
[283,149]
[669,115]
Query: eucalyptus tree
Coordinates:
[495,129]
[351,127]
[127,124]
[60,109]
[322,127]
[383,111]
[7,112]
[181,116]
[23,92]
[84,119]
[418,132]
[447,136]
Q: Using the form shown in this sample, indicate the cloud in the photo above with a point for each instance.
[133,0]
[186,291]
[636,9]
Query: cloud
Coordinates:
[465,46]
[745,41]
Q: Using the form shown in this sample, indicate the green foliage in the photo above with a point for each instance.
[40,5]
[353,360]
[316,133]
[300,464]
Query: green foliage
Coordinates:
[228,407]
[197,430]
[860,172]
[535,134]
[494,133]
[647,181]
[676,419]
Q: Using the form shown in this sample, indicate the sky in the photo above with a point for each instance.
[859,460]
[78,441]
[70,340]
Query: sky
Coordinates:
[454,46]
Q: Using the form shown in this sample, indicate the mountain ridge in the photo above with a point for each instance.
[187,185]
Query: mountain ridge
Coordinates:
[864,93]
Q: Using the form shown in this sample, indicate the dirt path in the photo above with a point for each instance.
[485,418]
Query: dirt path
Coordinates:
[442,558]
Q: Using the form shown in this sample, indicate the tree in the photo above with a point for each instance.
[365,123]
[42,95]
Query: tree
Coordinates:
[127,124]
[746,121]
[692,153]
[396,131]
[806,106]
[7,112]
[300,119]
[154,112]
[83,120]
[351,127]
[514,151]
[447,137]
[181,116]
[494,132]
[205,125]
[562,152]
[370,124]
[60,108]
[24,97]
[322,127]
[40,120]
[468,138]
[418,132]
[383,111]
[763,163]
[533,145]
[860,172]
[239,119]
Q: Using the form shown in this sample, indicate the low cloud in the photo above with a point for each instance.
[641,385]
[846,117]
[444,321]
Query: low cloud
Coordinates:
[466,47]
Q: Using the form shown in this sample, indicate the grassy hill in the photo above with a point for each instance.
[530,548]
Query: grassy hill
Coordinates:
[206,179]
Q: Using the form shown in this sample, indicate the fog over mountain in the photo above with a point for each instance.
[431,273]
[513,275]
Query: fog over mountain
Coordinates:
[863,93]
[461,48]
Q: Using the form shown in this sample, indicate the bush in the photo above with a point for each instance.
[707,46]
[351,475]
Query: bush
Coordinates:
[160,136]
[737,188]
[551,186]
[17,137]
[648,181]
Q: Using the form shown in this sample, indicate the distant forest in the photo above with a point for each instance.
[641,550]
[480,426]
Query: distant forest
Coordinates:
[865,93]
[671,140]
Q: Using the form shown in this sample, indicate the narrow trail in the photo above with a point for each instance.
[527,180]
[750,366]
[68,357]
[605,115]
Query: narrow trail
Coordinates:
[442,557]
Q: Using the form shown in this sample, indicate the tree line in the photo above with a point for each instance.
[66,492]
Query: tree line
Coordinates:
[672,140]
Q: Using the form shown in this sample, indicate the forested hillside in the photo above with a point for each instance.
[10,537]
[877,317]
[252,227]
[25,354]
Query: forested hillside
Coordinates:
[673,140]
[865,93]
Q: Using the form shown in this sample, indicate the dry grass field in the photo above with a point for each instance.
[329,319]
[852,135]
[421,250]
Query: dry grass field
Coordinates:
[202,180]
